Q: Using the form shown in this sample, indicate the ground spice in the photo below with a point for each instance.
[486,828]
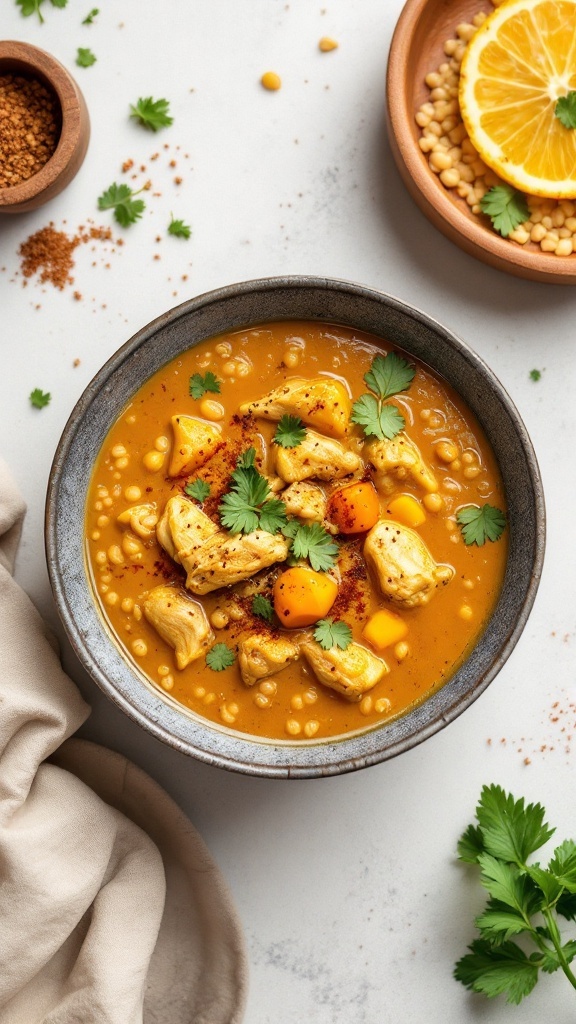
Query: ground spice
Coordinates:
[29,128]
[49,253]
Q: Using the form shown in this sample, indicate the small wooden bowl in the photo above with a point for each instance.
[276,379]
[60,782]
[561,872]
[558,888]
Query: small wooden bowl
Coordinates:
[418,48]
[65,162]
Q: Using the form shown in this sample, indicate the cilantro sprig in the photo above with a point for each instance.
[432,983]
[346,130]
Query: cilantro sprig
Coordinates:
[481,524]
[28,7]
[262,607]
[565,109]
[311,541]
[120,198]
[248,506]
[387,376]
[198,385]
[178,228]
[524,899]
[152,114]
[333,633]
[290,432]
[506,207]
[85,58]
[220,657]
[39,398]
[198,489]
[89,19]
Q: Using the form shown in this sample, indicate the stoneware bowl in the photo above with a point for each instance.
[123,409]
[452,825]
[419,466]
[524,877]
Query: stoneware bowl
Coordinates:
[233,308]
[30,62]
[416,49]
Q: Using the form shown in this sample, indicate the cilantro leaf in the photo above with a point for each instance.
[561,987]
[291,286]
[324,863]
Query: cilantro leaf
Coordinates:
[563,864]
[495,970]
[388,375]
[499,922]
[247,460]
[333,633]
[481,524]
[272,515]
[471,845]
[198,489]
[247,505]
[290,432]
[28,7]
[85,58]
[382,421]
[59,3]
[39,398]
[152,114]
[313,542]
[220,657]
[198,385]
[506,208]
[510,829]
[262,607]
[535,375]
[565,110]
[179,229]
[119,198]
[89,19]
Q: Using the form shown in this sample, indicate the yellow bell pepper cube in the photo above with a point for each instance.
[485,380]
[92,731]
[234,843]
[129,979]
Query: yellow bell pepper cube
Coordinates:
[384,629]
[407,510]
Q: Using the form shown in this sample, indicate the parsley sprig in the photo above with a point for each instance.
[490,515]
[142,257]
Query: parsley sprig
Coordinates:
[89,19]
[311,541]
[39,398]
[120,198]
[220,657]
[178,228]
[151,114]
[525,899]
[481,524]
[333,633]
[506,207]
[28,7]
[198,385]
[565,109]
[248,506]
[290,432]
[387,376]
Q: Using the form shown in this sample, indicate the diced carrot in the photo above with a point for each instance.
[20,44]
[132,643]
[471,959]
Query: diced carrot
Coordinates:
[355,508]
[384,628]
[301,596]
[407,510]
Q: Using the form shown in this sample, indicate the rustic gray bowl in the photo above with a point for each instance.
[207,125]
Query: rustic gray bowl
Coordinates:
[235,307]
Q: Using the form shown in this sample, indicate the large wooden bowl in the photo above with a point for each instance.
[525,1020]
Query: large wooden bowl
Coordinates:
[417,48]
[28,61]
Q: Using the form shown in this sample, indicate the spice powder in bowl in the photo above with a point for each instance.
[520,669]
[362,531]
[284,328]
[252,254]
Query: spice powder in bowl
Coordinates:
[30,125]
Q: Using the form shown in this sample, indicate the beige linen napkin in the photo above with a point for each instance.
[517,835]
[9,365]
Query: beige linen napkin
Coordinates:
[111,909]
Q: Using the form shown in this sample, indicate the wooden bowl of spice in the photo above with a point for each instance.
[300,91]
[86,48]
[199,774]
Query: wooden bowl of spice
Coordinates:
[44,127]
[445,174]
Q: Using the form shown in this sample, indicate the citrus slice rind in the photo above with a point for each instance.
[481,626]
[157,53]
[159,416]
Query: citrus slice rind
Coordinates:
[518,64]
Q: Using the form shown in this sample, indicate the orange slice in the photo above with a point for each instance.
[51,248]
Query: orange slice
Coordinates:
[516,67]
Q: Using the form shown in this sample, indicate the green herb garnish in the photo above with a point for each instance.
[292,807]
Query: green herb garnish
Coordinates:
[262,607]
[333,633]
[120,198]
[220,657]
[290,432]
[85,58]
[535,374]
[179,229]
[39,398]
[565,110]
[152,114]
[89,19]
[248,505]
[506,207]
[198,489]
[198,385]
[524,899]
[387,376]
[28,7]
[313,542]
[481,524]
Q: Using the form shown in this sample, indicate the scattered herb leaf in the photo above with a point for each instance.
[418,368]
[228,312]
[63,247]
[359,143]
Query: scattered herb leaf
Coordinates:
[220,657]
[333,633]
[198,385]
[388,375]
[198,489]
[39,398]
[313,542]
[535,374]
[89,19]
[262,607]
[85,58]
[152,114]
[523,899]
[28,7]
[565,110]
[179,229]
[506,207]
[290,432]
[377,420]
[120,198]
[248,506]
[481,524]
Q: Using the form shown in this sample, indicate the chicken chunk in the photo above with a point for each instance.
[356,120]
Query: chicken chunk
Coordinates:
[351,672]
[183,527]
[227,558]
[141,518]
[260,656]
[194,443]
[307,501]
[397,459]
[323,403]
[406,571]
[317,456]
[180,621]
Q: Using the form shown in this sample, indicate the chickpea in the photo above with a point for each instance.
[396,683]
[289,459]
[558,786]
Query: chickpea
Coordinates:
[199,691]
[271,81]
[167,682]
[296,702]
[139,648]
[161,443]
[127,606]
[115,555]
[366,705]
[118,451]
[132,493]
[446,451]
[111,598]
[211,410]
[131,419]
[311,727]
[292,727]
[261,700]
[382,705]
[268,687]
[219,619]
[122,463]
[433,502]
[465,612]
[95,535]
[154,460]
[401,650]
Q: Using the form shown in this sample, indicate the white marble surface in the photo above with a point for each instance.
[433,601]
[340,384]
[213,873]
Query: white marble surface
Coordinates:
[353,904]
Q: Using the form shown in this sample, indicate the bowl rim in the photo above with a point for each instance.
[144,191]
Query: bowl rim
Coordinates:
[435,201]
[153,711]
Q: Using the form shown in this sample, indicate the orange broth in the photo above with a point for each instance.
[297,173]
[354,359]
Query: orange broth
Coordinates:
[131,469]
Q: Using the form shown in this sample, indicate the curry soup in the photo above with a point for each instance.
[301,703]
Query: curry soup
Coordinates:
[270,563]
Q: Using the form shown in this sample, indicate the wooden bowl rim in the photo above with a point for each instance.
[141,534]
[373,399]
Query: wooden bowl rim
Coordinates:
[432,198]
[67,93]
